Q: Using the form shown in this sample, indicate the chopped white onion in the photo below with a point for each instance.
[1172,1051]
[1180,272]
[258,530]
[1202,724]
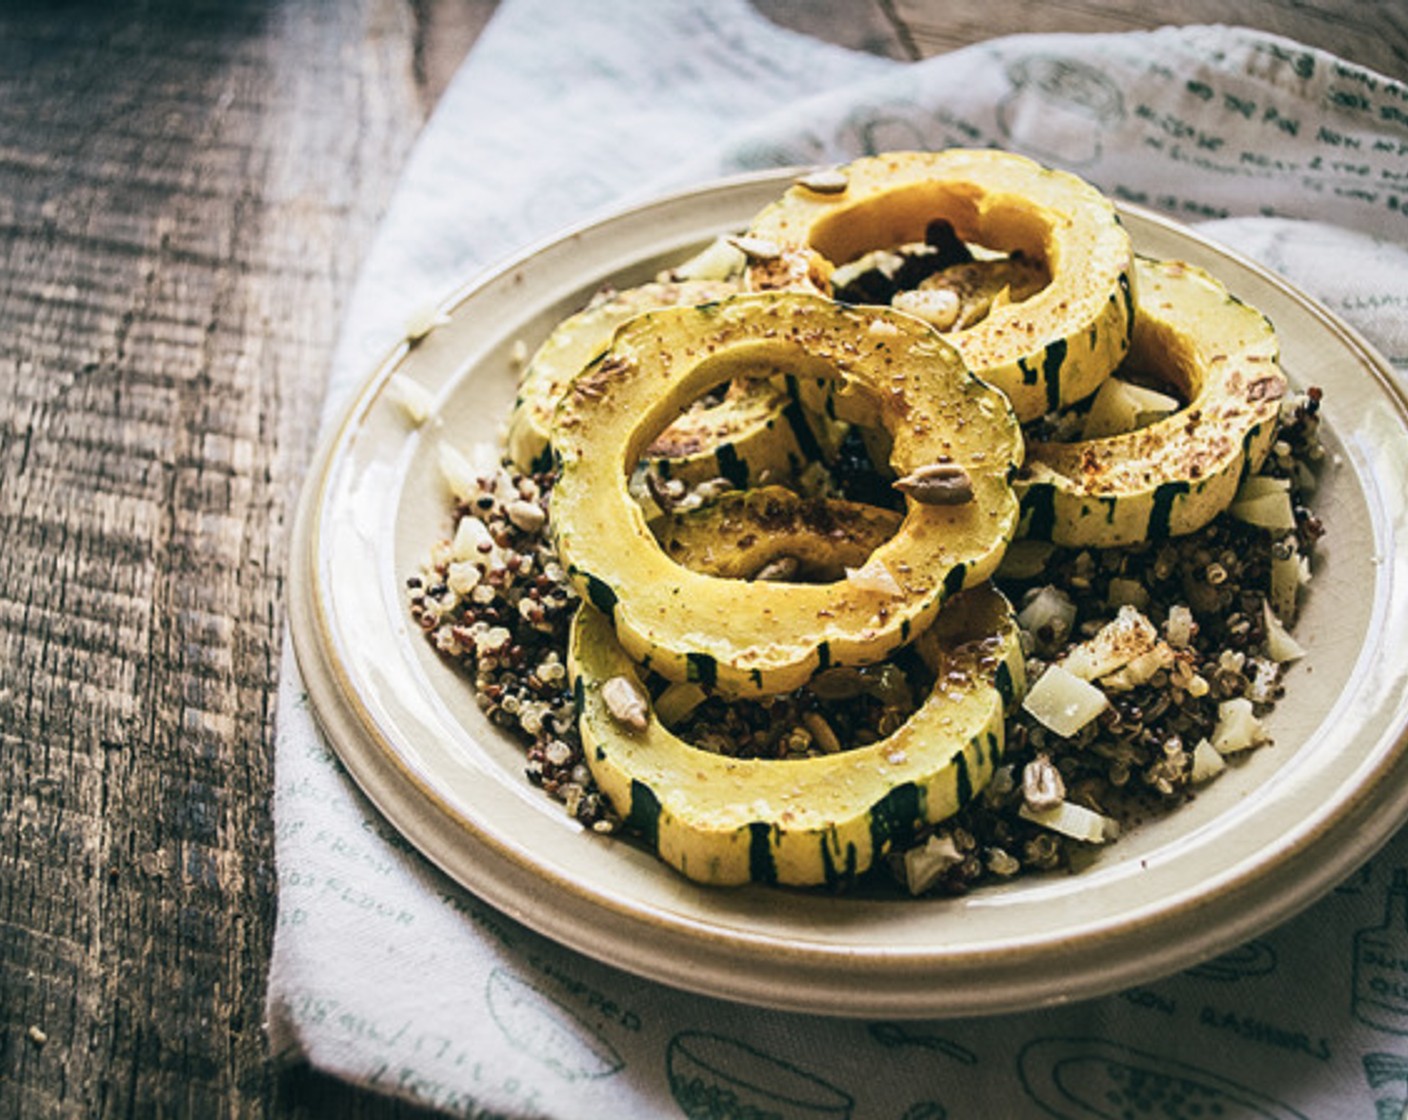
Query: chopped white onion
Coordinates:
[1063,702]
[874,576]
[1271,510]
[1207,762]
[1075,821]
[1127,636]
[1237,726]
[1280,646]
[414,399]
[924,863]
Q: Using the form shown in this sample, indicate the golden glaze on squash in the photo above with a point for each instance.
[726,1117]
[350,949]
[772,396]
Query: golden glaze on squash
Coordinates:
[1044,352]
[757,427]
[808,821]
[1175,475]
[743,531]
[890,370]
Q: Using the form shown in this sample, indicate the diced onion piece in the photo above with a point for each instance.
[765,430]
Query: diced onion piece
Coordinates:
[874,576]
[1207,762]
[1075,821]
[1121,407]
[424,319]
[1180,626]
[1237,727]
[1280,646]
[414,399]
[1271,510]
[470,533]
[1063,702]
[924,863]
[460,472]
[1127,636]
[1051,609]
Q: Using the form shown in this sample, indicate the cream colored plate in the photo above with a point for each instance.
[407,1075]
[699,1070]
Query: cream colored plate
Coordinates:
[1262,842]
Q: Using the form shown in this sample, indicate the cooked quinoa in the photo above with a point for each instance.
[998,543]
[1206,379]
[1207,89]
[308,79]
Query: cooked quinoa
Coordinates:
[493,599]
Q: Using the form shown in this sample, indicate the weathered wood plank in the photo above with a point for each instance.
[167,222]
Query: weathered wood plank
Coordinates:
[1371,32]
[862,25]
[185,192]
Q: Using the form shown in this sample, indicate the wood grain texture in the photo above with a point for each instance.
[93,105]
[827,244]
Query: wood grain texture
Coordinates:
[185,190]
[1371,32]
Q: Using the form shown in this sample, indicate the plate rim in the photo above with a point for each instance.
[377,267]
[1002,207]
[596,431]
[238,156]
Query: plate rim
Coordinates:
[415,809]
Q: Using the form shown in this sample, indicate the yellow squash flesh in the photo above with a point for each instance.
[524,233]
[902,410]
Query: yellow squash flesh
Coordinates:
[1175,475]
[757,637]
[756,430]
[811,821]
[1045,352]
[744,531]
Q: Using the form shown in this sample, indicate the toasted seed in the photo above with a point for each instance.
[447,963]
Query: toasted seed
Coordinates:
[938,484]
[756,248]
[821,731]
[825,180]
[625,702]
[528,516]
[1042,785]
[779,569]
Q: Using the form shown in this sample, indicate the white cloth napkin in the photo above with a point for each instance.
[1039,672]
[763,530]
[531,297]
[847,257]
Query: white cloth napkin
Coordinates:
[386,973]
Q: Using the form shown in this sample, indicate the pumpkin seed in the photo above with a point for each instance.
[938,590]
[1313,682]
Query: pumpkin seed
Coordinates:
[821,731]
[624,701]
[938,484]
[528,516]
[1042,785]
[779,569]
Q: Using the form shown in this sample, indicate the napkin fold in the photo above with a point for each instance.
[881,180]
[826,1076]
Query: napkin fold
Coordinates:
[386,973]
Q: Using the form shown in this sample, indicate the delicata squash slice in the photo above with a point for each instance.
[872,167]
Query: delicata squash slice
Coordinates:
[1046,351]
[804,821]
[1175,475]
[890,370]
[758,428]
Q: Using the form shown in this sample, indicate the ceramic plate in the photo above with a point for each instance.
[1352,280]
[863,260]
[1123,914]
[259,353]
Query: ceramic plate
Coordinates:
[1262,842]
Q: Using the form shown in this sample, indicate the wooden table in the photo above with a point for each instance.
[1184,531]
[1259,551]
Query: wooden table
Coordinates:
[185,191]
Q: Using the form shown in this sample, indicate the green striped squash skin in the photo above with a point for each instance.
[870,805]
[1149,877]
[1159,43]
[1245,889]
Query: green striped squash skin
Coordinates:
[820,821]
[752,638]
[1045,352]
[1176,475]
[575,342]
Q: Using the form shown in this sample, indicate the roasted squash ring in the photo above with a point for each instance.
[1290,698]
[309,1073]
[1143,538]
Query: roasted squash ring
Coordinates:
[757,637]
[1177,474]
[759,428]
[1045,352]
[810,821]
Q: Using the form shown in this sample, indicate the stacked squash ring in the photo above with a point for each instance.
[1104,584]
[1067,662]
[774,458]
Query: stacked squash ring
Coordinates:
[951,408]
